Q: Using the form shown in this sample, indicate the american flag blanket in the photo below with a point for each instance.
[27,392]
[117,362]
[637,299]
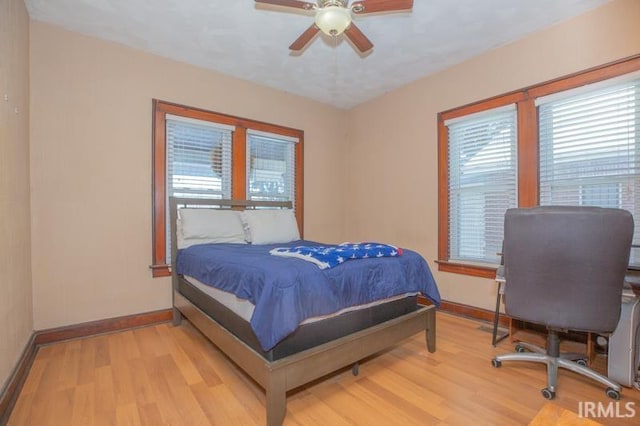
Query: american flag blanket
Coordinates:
[330,256]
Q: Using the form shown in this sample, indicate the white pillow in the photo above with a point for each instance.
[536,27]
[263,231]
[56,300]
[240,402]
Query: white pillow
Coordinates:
[271,226]
[202,226]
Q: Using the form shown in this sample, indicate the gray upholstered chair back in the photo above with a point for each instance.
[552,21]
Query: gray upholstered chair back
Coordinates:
[565,266]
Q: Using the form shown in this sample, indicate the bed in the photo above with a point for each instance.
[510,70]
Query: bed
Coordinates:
[281,348]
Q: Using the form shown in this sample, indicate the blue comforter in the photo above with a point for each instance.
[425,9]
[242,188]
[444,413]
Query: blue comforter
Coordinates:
[286,291]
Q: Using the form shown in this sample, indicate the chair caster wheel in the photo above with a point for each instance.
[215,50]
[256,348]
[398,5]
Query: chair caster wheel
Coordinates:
[582,362]
[613,394]
[355,370]
[548,394]
[520,348]
[496,363]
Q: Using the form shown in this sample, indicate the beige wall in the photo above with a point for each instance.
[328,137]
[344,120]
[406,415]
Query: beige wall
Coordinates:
[397,134]
[91,168]
[91,155]
[16,320]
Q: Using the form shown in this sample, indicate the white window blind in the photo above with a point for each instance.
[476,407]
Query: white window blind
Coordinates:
[198,161]
[589,150]
[482,183]
[271,167]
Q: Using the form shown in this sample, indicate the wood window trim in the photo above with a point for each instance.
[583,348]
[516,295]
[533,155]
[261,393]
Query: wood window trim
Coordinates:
[527,147]
[159,266]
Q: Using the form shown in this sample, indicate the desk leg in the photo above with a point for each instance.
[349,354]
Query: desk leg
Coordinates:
[496,317]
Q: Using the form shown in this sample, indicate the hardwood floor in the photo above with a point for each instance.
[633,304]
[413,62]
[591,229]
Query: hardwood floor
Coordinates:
[173,375]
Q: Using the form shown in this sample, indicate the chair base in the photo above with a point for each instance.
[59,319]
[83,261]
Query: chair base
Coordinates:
[554,359]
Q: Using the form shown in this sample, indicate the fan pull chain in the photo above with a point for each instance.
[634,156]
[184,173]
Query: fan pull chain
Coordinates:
[336,75]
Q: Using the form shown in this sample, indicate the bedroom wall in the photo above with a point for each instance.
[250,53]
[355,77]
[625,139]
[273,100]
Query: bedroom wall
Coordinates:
[396,134]
[15,241]
[91,168]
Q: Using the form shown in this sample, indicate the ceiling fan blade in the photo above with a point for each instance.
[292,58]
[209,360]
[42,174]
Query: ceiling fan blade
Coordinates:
[290,3]
[372,6]
[357,37]
[304,38]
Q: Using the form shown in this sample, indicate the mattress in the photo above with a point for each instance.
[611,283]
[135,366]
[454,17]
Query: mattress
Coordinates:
[306,336]
[244,308]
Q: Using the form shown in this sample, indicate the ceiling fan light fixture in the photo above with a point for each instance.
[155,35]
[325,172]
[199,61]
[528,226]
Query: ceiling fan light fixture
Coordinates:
[333,20]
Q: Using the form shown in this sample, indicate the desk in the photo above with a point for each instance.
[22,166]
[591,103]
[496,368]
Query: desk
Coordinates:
[633,280]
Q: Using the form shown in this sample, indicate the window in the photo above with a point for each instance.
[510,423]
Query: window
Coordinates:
[572,141]
[270,167]
[199,153]
[198,161]
[589,148]
[198,158]
[482,182]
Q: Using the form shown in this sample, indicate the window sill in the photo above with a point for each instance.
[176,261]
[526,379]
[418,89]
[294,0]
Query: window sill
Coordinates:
[160,271]
[466,269]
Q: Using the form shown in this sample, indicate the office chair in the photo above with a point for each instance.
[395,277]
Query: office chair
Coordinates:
[564,269]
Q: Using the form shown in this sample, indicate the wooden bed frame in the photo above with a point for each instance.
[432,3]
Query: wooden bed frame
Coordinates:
[277,377]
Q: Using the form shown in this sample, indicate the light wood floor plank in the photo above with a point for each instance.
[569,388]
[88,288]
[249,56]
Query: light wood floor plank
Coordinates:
[142,386]
[161,394]
[307,409]
[128,415]
[412,393]
[32,382]
[101,354]
[84,403]
[149,414]
[221,405]
[86,367]
[61,407]
[187,368]
[70,365]
[22,410]
[180,394]
[120,352]
[198,360]
[149,342]
[173,375]
[105,406]
[343,402]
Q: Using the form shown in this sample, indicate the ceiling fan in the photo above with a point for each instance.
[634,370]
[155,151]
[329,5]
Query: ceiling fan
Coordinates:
[334,17]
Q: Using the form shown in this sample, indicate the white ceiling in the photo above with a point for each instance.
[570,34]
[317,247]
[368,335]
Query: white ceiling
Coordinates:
[239,38]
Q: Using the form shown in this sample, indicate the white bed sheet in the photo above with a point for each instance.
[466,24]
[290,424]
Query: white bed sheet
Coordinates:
[244,309]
